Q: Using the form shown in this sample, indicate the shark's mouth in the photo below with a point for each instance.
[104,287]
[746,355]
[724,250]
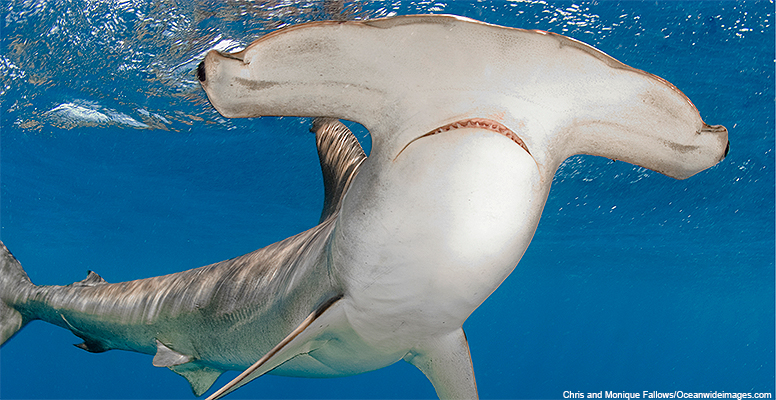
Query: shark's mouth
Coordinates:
[477,123]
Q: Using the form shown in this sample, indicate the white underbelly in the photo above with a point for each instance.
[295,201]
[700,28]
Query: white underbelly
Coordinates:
[424,240]
[337,350]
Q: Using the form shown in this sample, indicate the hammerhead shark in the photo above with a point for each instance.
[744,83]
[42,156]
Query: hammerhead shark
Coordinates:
[469,122]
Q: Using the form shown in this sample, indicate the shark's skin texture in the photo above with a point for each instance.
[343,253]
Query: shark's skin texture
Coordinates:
[469,122]
[214,317]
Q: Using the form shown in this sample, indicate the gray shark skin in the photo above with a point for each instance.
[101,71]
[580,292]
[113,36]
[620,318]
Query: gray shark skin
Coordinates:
[469,122]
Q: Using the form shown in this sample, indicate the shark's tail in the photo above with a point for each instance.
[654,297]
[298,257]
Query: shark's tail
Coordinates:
[14,285]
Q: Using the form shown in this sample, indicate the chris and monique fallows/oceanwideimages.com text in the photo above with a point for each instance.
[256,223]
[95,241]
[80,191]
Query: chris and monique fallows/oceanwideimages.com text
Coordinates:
[607,394]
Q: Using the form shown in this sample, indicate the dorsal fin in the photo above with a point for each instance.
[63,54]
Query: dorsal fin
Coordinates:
[340,155]
[91,279]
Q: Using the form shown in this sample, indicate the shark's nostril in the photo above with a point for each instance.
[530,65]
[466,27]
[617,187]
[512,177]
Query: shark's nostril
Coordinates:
[201,72]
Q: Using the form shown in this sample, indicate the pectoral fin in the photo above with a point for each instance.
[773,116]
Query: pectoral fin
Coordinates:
[290,346]
[446,362]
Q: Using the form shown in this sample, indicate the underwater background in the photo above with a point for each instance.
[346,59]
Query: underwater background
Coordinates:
[112,160]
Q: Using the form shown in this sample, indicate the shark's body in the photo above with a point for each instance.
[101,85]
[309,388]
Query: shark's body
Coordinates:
[469,122]
[215,317]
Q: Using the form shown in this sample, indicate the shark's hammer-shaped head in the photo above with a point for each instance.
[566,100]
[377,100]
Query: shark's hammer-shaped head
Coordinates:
[408,76]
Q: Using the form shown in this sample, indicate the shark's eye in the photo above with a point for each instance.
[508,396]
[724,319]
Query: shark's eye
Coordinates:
[201,72]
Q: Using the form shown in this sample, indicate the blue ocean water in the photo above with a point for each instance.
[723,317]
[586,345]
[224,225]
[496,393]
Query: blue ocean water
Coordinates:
[112,160]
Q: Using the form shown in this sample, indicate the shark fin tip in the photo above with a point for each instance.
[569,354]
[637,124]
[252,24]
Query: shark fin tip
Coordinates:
[200,377]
